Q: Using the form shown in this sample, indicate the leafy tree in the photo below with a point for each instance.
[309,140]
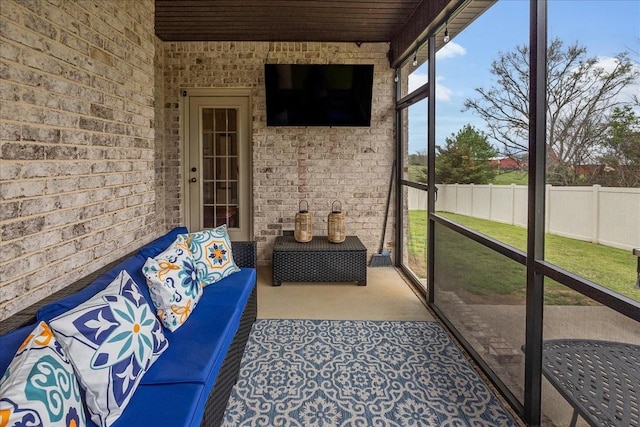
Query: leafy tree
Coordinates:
[581,95]
[620,163]
[465,158]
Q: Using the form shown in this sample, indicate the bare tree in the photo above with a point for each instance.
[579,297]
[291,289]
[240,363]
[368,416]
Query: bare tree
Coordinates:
[581,95]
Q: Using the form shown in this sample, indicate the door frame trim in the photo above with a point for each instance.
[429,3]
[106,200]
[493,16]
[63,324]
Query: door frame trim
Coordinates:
[185,93]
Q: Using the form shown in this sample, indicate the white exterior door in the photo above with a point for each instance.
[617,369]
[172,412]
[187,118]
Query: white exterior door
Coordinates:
[218,187]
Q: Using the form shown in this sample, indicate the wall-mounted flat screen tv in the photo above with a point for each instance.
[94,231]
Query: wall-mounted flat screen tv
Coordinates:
[318,95]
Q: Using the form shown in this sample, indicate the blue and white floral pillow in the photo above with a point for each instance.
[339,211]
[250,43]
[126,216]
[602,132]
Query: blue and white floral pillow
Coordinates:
[112,339]
[39,387]
[174,284]
[211,251]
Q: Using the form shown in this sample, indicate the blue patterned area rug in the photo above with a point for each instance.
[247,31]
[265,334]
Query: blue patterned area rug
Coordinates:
[358,373]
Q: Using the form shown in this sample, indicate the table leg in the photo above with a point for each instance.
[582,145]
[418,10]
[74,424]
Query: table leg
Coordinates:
[574,418]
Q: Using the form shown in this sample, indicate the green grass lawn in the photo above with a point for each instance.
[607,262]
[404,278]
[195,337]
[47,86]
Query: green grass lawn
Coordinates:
[512,177]
[502,178]
[415,171]
[495,277]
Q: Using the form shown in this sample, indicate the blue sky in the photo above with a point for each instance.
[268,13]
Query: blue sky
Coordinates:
[604,27]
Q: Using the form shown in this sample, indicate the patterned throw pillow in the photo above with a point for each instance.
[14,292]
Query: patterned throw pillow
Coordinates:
[112,339]
[211,250]
[174,284]
[39,387]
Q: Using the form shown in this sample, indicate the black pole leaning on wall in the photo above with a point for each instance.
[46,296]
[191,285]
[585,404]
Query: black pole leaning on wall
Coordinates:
[399,153]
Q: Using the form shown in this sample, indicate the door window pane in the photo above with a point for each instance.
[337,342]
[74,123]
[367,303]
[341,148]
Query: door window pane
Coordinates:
[232,120]
[233,168]
[221,144]
[221,119]
[207,119]
[207,193]
[233,144]
[207,144]
[220,168]
[207,169]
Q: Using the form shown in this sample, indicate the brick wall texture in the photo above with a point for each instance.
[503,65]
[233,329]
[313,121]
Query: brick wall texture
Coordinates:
[91,151]
[77,144]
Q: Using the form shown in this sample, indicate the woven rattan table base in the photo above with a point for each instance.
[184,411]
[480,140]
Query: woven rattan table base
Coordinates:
[319,261]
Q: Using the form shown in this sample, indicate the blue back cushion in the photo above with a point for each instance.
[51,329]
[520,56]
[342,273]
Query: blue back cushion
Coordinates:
[161,243]
[133,265]
[9,344]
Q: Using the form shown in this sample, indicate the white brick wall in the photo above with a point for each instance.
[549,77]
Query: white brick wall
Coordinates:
[320,165]
[77,179]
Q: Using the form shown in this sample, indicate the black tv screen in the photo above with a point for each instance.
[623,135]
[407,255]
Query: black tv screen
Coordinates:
[318,95]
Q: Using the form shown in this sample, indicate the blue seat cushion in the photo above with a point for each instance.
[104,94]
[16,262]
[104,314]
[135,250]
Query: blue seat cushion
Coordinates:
[196,351]
[175,405]
[233,290]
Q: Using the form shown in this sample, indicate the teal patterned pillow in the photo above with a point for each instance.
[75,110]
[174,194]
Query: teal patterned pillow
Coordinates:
[39,388]
[174,284]
[112,339]
[211,250]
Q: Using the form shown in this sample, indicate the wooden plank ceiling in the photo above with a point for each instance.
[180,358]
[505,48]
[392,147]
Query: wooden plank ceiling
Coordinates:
[358,21]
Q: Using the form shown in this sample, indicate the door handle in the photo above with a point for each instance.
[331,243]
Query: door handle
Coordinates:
[193,180]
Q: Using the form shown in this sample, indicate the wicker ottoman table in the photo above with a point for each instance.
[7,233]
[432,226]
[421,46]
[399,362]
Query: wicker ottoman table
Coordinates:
[319,261]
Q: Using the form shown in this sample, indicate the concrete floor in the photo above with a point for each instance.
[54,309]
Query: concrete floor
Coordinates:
[387,296]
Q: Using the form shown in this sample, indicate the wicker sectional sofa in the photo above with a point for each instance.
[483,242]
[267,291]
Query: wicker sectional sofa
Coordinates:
[190,382]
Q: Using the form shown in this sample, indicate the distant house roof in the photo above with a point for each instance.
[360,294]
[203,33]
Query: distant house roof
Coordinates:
[505,163]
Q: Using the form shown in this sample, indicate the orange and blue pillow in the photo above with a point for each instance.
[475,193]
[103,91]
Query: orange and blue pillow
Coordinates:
[111,340]
[212,254]
[175,284]
[39,386]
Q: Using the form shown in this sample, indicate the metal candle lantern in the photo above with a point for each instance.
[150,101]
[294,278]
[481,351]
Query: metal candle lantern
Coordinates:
[336,224]
[303,231]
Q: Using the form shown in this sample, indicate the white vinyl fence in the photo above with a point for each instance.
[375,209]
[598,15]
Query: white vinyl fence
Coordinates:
[605,215]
